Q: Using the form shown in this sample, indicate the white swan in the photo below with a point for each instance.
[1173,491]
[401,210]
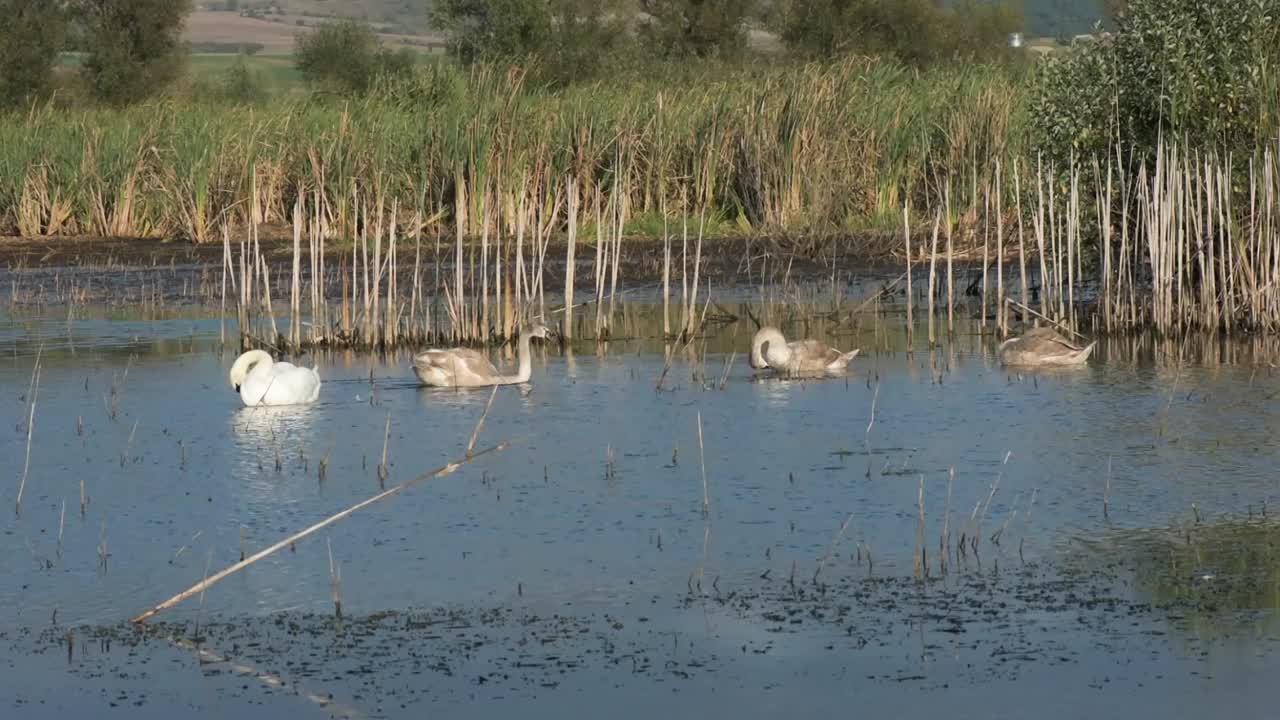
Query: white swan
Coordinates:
[262,381]
[769,349]
[464,367]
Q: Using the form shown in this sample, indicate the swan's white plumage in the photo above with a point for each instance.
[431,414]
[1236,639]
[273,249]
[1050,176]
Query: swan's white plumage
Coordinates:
[262,381]
[769,349]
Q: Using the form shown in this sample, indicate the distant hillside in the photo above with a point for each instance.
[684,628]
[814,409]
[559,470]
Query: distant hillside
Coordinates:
[399,16]
[274,34]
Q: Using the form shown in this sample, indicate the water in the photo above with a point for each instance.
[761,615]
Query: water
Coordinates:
[543,577]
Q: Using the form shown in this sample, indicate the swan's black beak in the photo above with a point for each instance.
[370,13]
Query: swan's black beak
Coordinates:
[237,388]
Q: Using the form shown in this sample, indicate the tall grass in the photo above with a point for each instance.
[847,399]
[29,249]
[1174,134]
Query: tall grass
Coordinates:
[829,148]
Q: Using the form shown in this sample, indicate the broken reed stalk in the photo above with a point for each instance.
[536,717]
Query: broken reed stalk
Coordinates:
[867,436]
[383,470]
[31,419]
[995,485]
[944,541]
[335,580]
[921,561]
[1106,493]
[906,231]
[933,273]
[832,547]
[706,492]
[200,587]
[1051,321]
[951,285]
[475,434]
[332,708]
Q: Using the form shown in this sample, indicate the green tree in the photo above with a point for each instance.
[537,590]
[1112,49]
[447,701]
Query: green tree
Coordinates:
[30,37]
[696,28]
[483,30]
[135,46]
[347,57]
[917,32]
[1200,71]
[568,39]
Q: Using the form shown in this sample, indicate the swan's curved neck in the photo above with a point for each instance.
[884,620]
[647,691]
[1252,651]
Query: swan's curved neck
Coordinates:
[525,370]
[757,358]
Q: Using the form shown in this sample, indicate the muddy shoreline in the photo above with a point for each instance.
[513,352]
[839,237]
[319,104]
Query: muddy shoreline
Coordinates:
[641,257]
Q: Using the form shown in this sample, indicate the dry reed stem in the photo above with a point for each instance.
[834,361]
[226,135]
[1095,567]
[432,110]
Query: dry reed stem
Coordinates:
[383,470]
[921,561]
[906,232]
[200,587]
[1060,325]
[271,680]
[475,434]
[1106,493]
[832,547]
[31,419]
[706,492]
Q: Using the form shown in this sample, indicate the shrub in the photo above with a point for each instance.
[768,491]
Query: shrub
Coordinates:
[917,32]
[566,40]
[30,38]
[696,28]
[1199,71]
[346,57]
[134,46]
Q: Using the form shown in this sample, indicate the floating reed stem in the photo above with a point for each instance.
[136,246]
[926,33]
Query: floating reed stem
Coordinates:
[209,582]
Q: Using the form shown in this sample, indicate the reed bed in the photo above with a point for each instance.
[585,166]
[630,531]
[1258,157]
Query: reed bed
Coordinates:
[427,211]
[801,148]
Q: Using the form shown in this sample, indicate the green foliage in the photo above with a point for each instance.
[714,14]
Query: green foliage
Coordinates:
[696,28]
[564,40]
[30,37]
[807,148]
[917,32]
[347,57]
[489,30]
[242,85]
[1199,71]
[135,46]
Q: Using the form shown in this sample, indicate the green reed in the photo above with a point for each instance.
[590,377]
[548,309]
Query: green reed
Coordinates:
[831,148]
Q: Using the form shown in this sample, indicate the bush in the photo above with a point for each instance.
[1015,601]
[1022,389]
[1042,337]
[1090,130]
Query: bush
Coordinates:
[489,30]
[696,28]
[347,57]
[1198,71]
[30,38]
[566,40]
[135,46]
[242,85]
[916,32]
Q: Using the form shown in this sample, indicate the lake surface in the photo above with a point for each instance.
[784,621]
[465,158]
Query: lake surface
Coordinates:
[575,571]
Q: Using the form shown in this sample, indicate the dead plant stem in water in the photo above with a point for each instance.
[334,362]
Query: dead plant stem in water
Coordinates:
[200,587]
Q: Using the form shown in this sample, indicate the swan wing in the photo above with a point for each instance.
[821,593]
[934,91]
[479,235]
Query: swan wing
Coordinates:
[282,384]
[455,367]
